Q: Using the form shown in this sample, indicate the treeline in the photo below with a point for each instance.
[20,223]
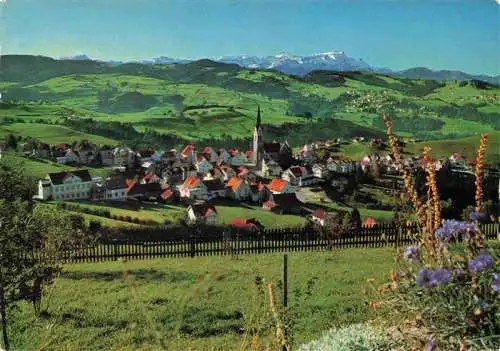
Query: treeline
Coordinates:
[126,132]
[412,124]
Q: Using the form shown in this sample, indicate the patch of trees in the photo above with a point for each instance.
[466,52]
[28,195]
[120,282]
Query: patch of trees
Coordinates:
[34,243]
[458,188]
[469,112]
[411,124]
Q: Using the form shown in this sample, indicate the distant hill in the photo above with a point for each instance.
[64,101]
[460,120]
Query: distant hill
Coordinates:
[207,99]
[425,73]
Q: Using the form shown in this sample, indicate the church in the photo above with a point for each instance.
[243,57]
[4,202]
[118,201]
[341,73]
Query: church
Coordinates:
[266,155]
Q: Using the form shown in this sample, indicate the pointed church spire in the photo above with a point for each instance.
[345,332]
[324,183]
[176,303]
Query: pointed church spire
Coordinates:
[257,125]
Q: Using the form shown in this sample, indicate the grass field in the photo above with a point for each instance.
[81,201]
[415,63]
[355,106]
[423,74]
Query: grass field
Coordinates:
[226,212]
[51,134]
[40,168]
[205,303]
[465,146]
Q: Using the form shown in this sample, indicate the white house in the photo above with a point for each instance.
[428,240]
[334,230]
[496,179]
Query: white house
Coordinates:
[124,156]
[270,168]
[75,185]
[299,176]
[70,156]
[112,189]
[202,213]
[341,166]
[320,171]
[106,156]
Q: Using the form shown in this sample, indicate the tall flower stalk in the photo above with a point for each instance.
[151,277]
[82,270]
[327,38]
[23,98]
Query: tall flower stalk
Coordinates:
[477,242]
[429,220]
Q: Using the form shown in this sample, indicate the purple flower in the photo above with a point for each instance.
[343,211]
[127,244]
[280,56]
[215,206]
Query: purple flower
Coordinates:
[496,283]
[423,278]
[429,279]
[411,254]
[452,228]
[440,276]
[480,263]
[430,345]
[478,216]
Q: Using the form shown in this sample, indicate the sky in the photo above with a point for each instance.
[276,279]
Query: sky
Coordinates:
[438,34]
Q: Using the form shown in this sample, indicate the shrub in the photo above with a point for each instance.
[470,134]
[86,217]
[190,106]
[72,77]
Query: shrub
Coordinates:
[444,296]
[356,337]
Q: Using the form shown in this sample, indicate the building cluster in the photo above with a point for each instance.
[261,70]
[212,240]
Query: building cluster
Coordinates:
[268,175]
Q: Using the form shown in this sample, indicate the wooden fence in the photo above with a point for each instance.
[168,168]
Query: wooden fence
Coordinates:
[236,243]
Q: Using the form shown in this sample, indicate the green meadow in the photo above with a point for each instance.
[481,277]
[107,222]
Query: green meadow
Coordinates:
[204,303]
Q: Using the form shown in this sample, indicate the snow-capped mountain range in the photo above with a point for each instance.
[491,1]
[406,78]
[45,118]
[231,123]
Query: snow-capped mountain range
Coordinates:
[284,62]
[302,65]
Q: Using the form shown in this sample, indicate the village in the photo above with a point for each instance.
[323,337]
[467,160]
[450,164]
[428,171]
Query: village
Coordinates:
[270,175]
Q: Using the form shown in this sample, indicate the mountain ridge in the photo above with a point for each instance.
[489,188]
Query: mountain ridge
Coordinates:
[288,63]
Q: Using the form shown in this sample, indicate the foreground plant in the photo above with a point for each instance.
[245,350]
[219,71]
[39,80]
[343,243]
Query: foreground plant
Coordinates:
[444,294]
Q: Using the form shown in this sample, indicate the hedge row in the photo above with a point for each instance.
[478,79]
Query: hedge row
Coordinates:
[106,213]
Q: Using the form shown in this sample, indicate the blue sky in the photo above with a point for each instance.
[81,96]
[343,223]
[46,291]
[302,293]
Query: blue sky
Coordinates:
[447,34]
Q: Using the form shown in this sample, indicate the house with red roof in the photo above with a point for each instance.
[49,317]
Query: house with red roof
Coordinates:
[202,213]
[238,188]
[247,224]
[210,154]
[319,216]
[188,153]
[193,188]
[284,204]
[280,186]
[167,195]
[369,222]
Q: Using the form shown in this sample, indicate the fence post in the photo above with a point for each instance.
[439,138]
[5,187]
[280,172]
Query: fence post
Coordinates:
[115,251]
[396,241]
[285,281]
[193,247]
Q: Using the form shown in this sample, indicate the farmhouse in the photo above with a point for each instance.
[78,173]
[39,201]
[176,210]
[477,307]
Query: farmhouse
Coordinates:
[284,204]
[319,216]
[238,189]
[112,189]
[202,213]
[75,185]
[193,189]
[280,186]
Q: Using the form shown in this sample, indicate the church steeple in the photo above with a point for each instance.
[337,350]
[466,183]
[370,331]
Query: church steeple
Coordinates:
[258,141]
[257,125]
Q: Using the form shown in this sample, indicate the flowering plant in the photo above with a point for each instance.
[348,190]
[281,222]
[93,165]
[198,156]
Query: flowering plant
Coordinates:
[445,292]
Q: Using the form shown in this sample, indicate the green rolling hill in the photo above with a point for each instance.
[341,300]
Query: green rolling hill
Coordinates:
[205,100]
